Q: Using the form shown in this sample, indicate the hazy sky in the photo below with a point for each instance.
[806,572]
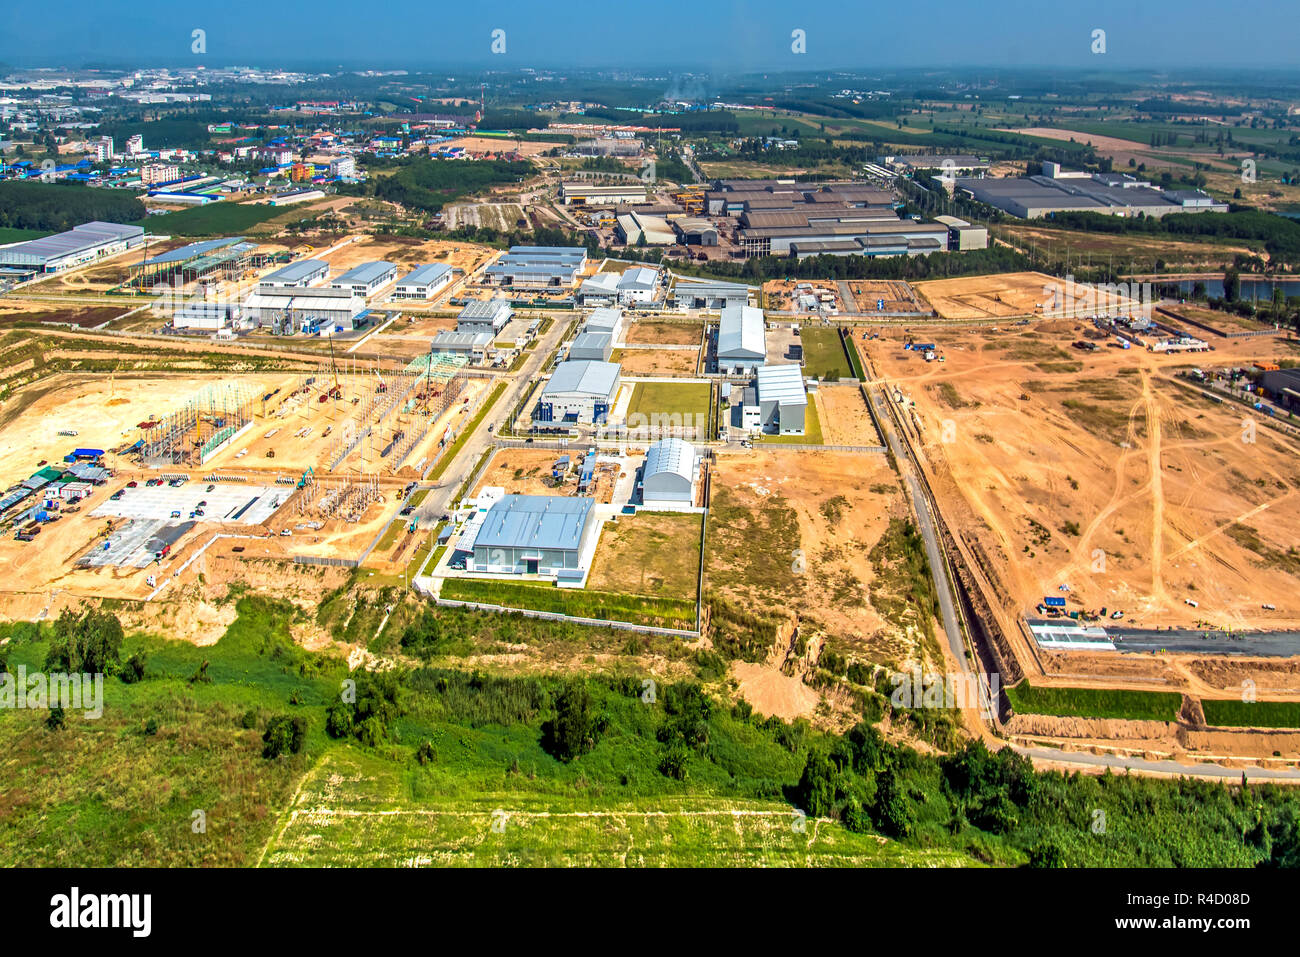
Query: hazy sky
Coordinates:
[717,35]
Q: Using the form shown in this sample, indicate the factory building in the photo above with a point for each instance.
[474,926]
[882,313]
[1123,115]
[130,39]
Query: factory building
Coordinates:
[689,294]
[782,399]
[605,320]
[537,267]
[581,391]
[952,164]
[299,275]
[636,228]
[692,231]
[638,284]
[423,282]
[963,235]
[476,345]
[1057,191]
[76,247]
[367,278]
[203,316]
[742,340]
[1283,387]
[587,194]
[480,316]
[592,345]
[670,475]
[313,311]
[534,535]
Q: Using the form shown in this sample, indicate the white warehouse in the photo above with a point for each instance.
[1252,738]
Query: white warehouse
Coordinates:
[367,278]
[670,476]
[782,399]
[742,340]
[424,282]
[299,275]
[580,391]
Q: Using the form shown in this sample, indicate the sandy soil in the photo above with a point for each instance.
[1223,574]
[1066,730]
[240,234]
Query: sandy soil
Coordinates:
[898,295]
[772,693]
[1098,471]
[662,333]
[653,362]
[994,297]
[844,417]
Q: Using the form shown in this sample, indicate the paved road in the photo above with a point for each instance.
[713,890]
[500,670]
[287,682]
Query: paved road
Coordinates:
[436,502]
[1200,770]
[1264,644]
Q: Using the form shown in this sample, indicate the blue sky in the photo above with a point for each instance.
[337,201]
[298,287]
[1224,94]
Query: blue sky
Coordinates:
[715,35]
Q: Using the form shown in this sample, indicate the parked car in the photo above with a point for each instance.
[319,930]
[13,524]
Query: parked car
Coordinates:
[132,484]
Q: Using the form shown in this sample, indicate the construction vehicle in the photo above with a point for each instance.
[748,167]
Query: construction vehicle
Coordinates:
[270,453]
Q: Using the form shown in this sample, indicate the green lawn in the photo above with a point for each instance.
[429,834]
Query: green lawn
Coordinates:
[661,612]
[812,430]
[1096,703]
[8,235]
[676,399]
[823,354]
[1233,713]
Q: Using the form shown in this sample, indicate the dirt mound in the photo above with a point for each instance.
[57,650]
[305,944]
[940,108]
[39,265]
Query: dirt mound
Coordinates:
[1089,728]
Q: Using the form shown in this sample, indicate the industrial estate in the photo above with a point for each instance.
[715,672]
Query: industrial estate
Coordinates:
[859,428]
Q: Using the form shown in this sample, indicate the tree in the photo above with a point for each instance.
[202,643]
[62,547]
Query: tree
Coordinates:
[283,735]
[55,720]
[576,726]
[88,641]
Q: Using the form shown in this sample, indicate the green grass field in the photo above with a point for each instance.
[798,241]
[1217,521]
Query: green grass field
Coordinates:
[8,235]
[215,219]
[394,818]
[1234,713]
[676,399]
[823,354]
[812,427]
[581,602]
[1096,703]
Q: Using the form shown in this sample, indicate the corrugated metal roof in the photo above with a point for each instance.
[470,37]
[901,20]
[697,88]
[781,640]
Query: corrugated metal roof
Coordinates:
[297,272]
[425,275]
[741,331]
[783,384]
[584,376]
[480,310]
[85,236]
[670,455]
[367,272]
[603,319]
[535,521]
[192,251]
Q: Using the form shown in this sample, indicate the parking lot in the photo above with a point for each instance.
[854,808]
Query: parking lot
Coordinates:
[226,502]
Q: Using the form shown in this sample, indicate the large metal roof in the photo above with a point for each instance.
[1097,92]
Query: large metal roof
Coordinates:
[585,377]
[782,384]
[192,251]
[484,309]
[673,456]
[85,236]
[741,331]
[367,272]
[424,275]
[535,521]
[603,319]
[297,272]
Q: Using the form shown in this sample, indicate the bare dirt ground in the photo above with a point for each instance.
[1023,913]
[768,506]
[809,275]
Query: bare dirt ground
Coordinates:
[492,144]
[1098,471]
[898,295]
[526,472]
[998,296]
[844,418]
[774,549]
[653,362]
[662,333]
[772,693]
[783,295]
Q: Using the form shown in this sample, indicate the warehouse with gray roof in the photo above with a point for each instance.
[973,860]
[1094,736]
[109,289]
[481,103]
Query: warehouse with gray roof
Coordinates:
[782,399]
[534,535]
[76,247]
[480,315]
[423,282]
[579,391]
[537,267]
[299,275]
[670,475]
[367,278]
[742,340]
